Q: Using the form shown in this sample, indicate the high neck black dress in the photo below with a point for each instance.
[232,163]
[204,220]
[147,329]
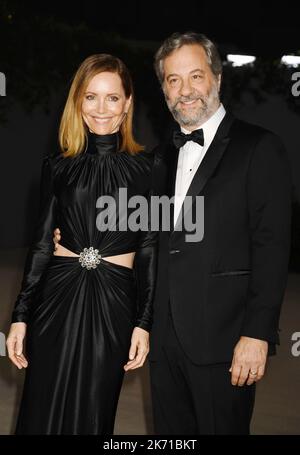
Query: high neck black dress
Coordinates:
[80,320]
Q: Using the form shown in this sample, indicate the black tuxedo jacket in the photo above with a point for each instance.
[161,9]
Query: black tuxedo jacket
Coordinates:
[230,284]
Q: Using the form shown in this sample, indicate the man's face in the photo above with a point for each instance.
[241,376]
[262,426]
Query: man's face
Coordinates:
[191,89]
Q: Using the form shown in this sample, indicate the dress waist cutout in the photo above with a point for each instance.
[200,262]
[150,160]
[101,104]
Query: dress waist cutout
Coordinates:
[90,257]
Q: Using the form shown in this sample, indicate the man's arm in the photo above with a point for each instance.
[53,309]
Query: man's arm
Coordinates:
[269,208]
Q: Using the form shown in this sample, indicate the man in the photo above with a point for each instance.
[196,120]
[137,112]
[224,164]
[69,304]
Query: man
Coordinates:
[218,300]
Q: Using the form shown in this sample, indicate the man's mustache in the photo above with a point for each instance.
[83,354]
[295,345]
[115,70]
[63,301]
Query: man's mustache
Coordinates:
[188,98]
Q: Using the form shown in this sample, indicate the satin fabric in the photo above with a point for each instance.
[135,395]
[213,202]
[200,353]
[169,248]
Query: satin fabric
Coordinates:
[80,321]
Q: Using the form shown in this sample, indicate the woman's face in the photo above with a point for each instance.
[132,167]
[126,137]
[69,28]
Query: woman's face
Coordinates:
[104,103]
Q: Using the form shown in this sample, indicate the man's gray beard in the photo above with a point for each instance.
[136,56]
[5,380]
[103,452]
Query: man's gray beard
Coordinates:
[210,104]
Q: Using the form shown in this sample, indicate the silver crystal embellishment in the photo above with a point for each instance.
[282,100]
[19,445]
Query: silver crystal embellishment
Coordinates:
[89,258]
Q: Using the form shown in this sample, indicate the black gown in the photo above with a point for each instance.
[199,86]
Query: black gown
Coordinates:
[80,320]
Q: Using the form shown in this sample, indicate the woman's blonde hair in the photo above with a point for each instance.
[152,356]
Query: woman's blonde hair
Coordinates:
[73,130]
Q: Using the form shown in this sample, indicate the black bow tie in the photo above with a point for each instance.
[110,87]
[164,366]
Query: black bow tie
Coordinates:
[180,138]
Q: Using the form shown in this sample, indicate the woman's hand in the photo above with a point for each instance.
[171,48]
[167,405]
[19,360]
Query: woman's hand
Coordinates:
[14,344]
[56,238]
[138,350]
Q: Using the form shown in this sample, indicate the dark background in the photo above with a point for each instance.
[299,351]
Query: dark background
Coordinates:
[42,44]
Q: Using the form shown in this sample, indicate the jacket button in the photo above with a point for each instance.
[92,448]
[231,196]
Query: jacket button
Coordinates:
[174,251]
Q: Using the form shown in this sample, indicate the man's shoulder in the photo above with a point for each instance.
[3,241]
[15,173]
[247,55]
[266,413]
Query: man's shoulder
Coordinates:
[264,145]
[253,132]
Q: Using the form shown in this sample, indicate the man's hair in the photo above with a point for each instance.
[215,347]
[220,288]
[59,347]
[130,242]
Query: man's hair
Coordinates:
[176,41]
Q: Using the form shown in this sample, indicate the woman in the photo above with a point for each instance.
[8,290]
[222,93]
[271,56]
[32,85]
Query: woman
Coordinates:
[87,306]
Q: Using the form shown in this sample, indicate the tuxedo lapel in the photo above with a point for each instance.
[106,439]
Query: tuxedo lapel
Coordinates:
[209,163]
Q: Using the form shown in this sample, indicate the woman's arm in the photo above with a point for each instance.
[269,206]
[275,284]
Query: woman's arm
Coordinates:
[145,270]
[42,246]
[145,262]
[145,265]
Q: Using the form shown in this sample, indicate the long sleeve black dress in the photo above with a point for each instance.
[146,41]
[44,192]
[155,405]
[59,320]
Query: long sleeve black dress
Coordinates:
[80,320]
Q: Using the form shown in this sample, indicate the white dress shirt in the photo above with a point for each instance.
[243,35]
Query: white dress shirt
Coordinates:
[190,157]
